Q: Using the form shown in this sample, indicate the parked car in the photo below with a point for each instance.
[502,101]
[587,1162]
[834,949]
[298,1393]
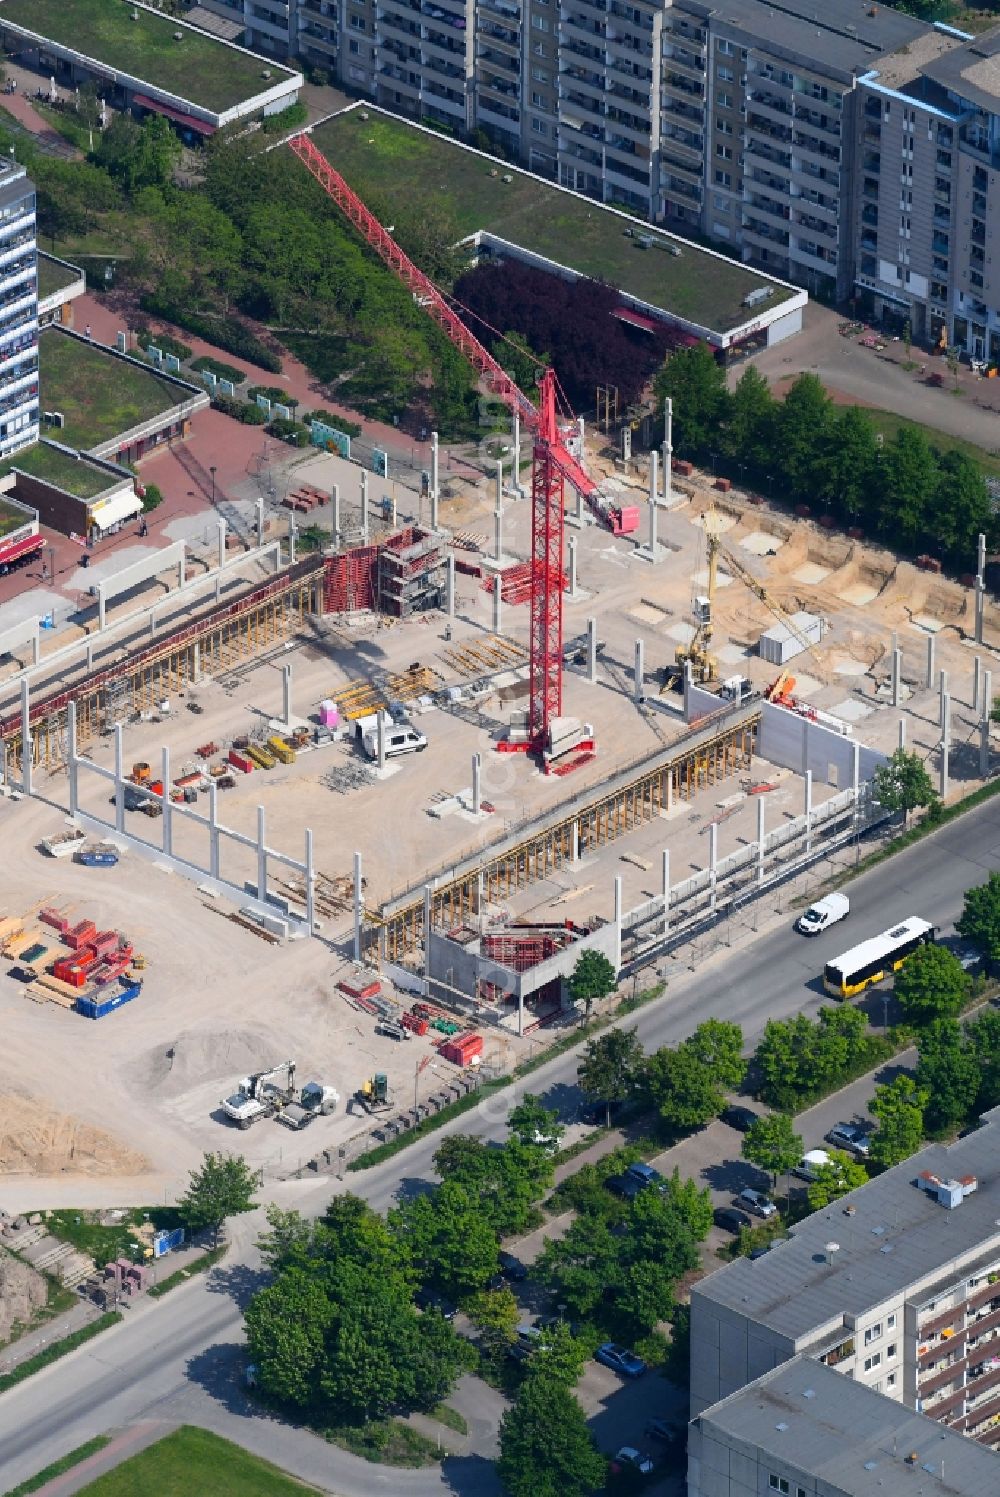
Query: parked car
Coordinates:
[810,1164]
[429,1299]
[512,1268]
[629,1457]
[636,1178]
[620,1359]
[526,1344]
[664,1429]
[740,1118]
[850,1136]
[756,1203]
[730,1220]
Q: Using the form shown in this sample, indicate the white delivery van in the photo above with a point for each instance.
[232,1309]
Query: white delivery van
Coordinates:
[400,738]
[824,913]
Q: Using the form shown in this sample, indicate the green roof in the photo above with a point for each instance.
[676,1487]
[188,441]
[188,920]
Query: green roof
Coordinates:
[78,477]
[11,518]
[198,69]
[54,276]
[99,394]
[386,156]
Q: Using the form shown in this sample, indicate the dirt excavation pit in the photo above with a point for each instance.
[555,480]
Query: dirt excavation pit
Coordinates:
[35,1140]
[865,581]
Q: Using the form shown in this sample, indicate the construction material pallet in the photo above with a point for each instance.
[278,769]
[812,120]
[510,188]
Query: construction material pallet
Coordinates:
[366,697]
[486,656]
[468,540]
[516,583]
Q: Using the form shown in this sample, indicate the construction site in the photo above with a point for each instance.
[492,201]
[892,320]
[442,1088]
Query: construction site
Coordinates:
[585,703]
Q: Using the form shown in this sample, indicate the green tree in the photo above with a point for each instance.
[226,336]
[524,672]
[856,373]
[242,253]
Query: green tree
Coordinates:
[683,1088]
[559,1357]
[696,382]
[610,1068]
[842,1175]
[750,423]
[773,1144]
[908,481]
[984,1037]
[851,466]
[515,354]
[719,1046]
[138,155]
[980,918]
[961,509]
[286,1328]
[535,1124]
[223,1187]
[932,985]
[288,1239]
[495,1315]
[583,1266]
[645,1295]
[546,1449]
[451,1243]
[899,1108]
[903,783]
[593,978]
[948,1071]
[801,432]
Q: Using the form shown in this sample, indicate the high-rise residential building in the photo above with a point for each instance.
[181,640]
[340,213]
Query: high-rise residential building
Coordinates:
[18,310]
[895,1287]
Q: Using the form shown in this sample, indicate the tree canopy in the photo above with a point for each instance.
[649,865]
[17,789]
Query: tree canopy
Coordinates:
[772,1143]
[611,1067]
[899,1108]
[546,1449]
[980,918]
[842,1175]
[224,1186]
[932,985]
[948,1071]
[593,978]
[903,783]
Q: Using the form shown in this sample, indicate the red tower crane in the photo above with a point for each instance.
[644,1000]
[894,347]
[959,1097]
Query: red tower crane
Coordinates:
[552,463]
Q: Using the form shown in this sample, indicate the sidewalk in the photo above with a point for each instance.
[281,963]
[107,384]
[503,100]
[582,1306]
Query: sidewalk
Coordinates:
[57,1329]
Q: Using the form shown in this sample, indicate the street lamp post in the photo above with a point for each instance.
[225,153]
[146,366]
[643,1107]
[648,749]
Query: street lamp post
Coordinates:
[212,471]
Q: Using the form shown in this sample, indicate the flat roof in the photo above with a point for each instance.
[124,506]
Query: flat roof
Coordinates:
[971,71]
[903,69]
[898,1236]
[12,515]
[398,163]
[99,393]
[833,36]
[55,276]
[199,69]
[78,476]
[852,1439]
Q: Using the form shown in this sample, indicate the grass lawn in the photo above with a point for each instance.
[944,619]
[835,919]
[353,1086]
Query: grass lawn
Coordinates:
[85,1232]
[191,1462]
[401,163]
[889,423]
[59,1468]
[198,68]
[77,477]
[11,518]
[98,394]
[53,277]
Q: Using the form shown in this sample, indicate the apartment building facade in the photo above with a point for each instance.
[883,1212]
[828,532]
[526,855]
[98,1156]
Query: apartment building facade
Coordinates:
[897,1287]
[19,422]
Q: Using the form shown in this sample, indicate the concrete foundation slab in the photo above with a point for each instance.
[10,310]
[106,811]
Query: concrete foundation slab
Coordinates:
[761,543]
[648,613]
[811,573]
[850,667]
[806,685]
[859,595]
[851,712]
[928,623]
[720,524]
[731,654]
[683,633]
[723,579]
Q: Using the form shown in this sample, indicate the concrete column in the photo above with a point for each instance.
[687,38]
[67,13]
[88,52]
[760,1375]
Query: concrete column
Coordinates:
[902,733]
[196,660]
[168,805]
[261,855]
[364,507]
[516,478]
[101,607]
[945,744]
[666,892]
[760,841]
[213,829]
[670,791]
[581,431]
[286,694]
[654,548]
[808,806]
[27,747]
[640,671]
[977,681]
[930,661]
[980,587]
[618,923]
[856,770]
[498,514]
[335,501]
[90,655]
[222,542]
[575,854]
[293,531]
[713,857]
[428,893]
[392,511]
[119,779]
[984,725]
[592,651]
[359,905]
[942,694]
[310,884]
[897,669]
[572,566]
[182,570]
[477,766]
[260,523]
[450,587]
[668,449]
[72,767]
[380,730]
[434,480]
[497,604]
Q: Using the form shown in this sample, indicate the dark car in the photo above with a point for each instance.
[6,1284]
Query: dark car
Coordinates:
[428,1299]
[729,1219]
[740,1118]
[512,1268]
[620,1359]
[637,1178]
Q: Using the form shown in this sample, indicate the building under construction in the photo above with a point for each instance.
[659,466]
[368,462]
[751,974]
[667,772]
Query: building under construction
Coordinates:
[399,576]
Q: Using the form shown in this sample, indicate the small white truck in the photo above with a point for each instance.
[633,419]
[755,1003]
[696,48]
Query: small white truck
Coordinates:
[824,913]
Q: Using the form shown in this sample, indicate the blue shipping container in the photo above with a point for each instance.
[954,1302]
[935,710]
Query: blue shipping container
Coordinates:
[165,1242]
[97,1008]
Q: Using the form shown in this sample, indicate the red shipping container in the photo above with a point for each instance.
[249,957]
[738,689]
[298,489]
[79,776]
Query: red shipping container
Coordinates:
[360,987]
[53,918]
[240,761]
[80,935]
[105,941]
[79,962]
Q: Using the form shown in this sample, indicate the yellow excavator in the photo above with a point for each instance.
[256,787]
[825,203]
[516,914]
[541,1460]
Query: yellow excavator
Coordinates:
[698,652]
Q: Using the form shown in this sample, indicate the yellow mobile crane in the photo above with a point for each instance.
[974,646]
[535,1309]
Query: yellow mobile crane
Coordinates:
[704,666]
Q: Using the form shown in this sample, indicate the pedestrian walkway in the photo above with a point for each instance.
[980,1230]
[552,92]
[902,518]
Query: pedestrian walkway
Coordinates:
[56,1329]
[123,1446]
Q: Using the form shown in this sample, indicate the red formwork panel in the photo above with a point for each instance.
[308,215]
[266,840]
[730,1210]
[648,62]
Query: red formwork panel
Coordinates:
[80,935]
[53,918]
[349,580]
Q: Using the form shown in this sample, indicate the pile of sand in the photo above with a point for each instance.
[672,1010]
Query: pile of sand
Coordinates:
[22,1291]
[35,1140]
[207,1054]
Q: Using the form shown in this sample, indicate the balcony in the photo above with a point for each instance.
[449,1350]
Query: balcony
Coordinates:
[502,35]
[939,244]
[683,62]
[977,233]
[628,121]
[575,47]
[677,187]
[760,150]
[691,168]
[583,83]
[674,83]
[869,240]
[500,62]
[942,218]
[770,106]
[869,216]
[817,148]
[755,229]
[683,146]
[581,102]
[507,10]
[760,126]
[583,29]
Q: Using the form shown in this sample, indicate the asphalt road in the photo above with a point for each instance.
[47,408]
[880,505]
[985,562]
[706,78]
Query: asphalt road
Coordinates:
[179,1359]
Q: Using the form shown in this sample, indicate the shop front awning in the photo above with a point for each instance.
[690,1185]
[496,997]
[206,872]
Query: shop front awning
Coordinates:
[200,127]
[636,319]
[121,507]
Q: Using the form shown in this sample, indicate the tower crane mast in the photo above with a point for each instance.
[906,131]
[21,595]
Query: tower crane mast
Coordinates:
[553,465]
